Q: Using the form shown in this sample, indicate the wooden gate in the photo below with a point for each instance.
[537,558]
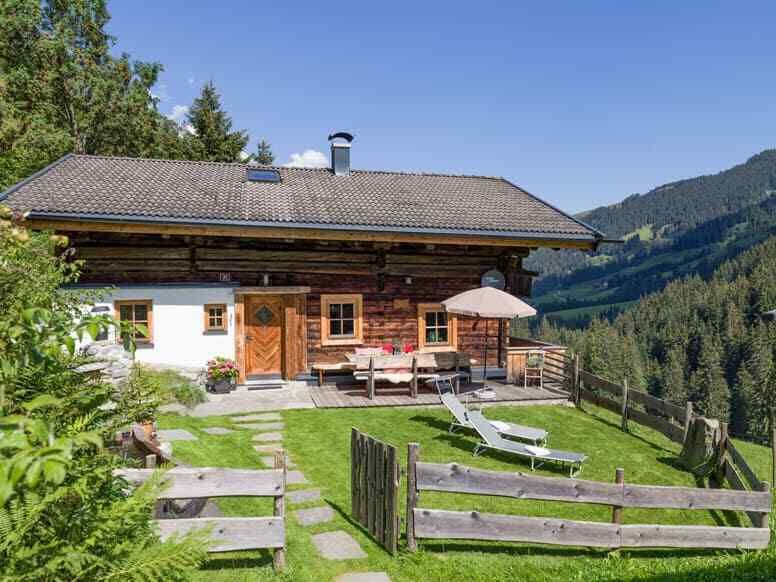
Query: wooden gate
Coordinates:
[374,488]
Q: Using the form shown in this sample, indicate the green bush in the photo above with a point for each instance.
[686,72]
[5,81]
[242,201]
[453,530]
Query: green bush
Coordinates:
[63,513]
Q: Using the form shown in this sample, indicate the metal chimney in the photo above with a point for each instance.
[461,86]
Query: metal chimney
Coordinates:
[340,153]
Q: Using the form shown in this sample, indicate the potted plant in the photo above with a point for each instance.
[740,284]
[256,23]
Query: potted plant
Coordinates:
[221,374]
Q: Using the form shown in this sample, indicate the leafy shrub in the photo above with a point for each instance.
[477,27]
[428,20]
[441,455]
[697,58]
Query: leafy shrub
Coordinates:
[63,513]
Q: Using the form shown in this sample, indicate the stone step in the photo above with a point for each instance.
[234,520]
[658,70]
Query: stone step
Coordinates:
[363,577]
[303,495]
[337,545]
[263,426]
[257,417]
[267,448]
[268,436]
[217,430]
[295,478]
[270,462]
[314,515]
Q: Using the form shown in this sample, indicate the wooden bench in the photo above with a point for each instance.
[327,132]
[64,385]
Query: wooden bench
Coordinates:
[419,366]
[228,534]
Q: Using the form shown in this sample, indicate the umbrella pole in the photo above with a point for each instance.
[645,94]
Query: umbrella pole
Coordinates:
[485,355]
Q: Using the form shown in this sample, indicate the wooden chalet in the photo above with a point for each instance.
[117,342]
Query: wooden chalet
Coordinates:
[281,267]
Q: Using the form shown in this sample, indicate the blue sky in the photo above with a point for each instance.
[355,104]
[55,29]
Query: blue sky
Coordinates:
[582,103]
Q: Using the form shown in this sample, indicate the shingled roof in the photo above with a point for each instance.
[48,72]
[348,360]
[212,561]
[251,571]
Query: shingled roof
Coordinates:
[145,190]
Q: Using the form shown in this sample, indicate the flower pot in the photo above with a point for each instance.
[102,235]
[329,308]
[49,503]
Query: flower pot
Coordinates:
[220,386]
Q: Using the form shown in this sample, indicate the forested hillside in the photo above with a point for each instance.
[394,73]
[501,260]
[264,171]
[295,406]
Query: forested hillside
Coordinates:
[702,340]
[687,227]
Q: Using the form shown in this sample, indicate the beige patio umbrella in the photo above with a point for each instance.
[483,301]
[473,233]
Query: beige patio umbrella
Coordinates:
[488,303]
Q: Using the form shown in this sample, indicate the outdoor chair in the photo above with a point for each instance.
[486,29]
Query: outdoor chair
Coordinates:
[534,368]
[491,439]
[460,419]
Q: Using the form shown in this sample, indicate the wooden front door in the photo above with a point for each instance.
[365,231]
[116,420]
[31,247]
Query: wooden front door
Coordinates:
[263,334]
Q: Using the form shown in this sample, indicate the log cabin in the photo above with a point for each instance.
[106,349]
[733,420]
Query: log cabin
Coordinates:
[282,268]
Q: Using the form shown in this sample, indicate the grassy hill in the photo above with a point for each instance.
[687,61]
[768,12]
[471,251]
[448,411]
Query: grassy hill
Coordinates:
[687,227]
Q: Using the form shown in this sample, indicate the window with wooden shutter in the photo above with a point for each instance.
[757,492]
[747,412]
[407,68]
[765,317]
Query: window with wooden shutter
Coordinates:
[137,312]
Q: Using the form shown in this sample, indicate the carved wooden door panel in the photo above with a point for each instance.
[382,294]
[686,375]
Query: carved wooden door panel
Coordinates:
[263,334]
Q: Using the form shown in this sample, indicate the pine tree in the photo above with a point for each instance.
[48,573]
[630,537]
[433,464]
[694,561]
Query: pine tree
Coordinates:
[742,419]
[674,381]
[213,127]
[761,367]
[710,392]
[264,155]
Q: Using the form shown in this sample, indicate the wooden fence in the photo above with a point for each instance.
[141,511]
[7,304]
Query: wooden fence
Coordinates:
[228,534]
[471,525]
[632,405]
[374,488]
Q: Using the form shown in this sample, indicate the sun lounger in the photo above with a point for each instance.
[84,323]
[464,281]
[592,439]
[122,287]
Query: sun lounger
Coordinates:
[492,440]
[460,419]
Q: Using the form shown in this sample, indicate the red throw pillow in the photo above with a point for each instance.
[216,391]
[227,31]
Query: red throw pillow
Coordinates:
[408,348]
[388,348]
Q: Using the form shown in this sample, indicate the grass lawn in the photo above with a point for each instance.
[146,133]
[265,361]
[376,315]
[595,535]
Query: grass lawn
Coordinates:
[318,441]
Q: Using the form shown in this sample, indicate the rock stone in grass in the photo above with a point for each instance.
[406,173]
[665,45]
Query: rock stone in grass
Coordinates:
[337,545]
[175,434]
[217,430]
[295,478]
[268,436]
[263,426]
[363,577]
[258,417]
[303,495]
[314,515]
[701,446]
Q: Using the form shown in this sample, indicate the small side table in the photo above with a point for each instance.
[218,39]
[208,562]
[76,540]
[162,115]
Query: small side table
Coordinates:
[323,368]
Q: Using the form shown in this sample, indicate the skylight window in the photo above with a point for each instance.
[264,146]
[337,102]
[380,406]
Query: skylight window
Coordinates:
[254,175]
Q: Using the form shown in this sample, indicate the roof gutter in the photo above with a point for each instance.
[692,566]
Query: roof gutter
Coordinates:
[130,219]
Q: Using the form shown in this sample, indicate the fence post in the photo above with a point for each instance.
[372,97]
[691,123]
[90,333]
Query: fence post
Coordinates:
[688,414]
[773,454]
[355,466]
[412,494]
[624,410]
[576,380]
[719,471]
[764,517]
[279,509]
[619,479]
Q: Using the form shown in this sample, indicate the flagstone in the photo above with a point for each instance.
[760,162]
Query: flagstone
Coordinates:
[337,545]
[314,515]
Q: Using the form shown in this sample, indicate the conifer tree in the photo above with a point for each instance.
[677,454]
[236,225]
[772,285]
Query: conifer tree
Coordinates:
[213,128]
[710,391]
[674,381]
[264,155]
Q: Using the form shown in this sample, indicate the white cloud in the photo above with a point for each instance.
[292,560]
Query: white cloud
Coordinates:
[308,159]
[178,113]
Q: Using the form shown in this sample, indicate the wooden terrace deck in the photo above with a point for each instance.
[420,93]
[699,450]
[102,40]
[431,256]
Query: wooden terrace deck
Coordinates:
[353,395]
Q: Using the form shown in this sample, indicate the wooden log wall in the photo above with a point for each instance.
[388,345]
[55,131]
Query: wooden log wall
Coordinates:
[378,271]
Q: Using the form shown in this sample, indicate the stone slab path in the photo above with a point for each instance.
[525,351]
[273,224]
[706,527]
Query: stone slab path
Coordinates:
[295,478]
[293,395]
[175,434]
[363,577]
[217,430]
[268,436]
[314,515]
[266,416]
[263,426]
[337,545]
[303,495]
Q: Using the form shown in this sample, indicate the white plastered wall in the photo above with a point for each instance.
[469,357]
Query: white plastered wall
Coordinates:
[179,336]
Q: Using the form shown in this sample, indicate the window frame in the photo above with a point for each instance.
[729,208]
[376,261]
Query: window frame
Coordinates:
[451,344]
[224,328]
[357,300]
[118,304]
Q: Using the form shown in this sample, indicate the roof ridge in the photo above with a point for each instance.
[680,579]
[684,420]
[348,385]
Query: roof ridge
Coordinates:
[282,167]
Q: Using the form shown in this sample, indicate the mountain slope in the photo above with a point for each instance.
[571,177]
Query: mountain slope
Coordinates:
[685,227]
